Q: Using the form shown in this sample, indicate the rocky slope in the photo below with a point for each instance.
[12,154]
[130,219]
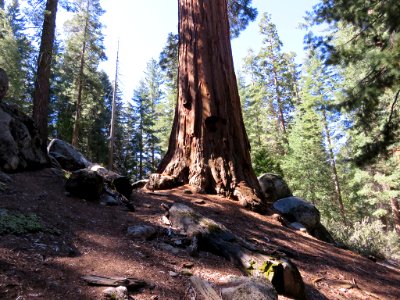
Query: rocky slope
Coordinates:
[78,238]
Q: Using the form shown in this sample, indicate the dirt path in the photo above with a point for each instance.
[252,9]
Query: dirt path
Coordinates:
[91,239]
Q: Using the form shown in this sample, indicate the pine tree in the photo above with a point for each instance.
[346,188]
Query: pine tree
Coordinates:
[369,44]
[269,102]
[11,61]
[306,166]
[166,108]
[84,51]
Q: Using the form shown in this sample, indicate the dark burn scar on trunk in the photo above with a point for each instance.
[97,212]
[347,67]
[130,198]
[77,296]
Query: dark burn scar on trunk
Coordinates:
[212,123]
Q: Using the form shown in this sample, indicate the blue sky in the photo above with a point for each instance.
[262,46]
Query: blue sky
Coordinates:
[142,28]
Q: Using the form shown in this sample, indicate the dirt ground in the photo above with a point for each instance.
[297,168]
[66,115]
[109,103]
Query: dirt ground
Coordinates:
[91,239]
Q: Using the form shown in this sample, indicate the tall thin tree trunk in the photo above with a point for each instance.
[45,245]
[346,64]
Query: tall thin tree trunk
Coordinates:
[41,94]
[335,177]
[396,214]
[281,117]
[208,146]
[75,133]
[113,113]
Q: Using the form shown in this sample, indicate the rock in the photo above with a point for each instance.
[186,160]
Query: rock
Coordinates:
[303,214]
[298,226]
[274,187]
[4,178]
[165,220]
[20,144]
[108,200]
[169,248]
[298,210]
[173,274]
[142,231]
[249,288]
[85,184]
[199,201]
[114,180]
[118,293]
[140,184]
[321,233]
[3,84]
[67,155]
[162,182]
[209,235]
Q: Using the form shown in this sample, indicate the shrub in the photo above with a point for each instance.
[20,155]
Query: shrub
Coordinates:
[16,223]
[367,237]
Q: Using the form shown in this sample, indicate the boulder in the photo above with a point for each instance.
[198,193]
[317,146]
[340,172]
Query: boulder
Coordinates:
[321,233]
[20,144]
[115,181]
[208,235]
[274,187]
[116,293]
[85,184]
[67,155]
[5,178]
[162,182]
[302,213]
[142,231]
[298,210]
[249,288]
[139,184]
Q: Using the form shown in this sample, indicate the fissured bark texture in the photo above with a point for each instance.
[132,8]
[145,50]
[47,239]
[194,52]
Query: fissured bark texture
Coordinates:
[209,147]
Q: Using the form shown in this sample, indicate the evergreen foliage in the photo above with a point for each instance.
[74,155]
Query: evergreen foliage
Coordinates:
[371,40]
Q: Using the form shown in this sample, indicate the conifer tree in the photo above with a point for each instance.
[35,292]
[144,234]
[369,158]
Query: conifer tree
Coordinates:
[11,61]
[306,165]
[371,45]
[41,94]
[84,51]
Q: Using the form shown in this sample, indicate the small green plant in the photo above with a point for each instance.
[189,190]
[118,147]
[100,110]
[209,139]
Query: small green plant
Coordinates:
[17,223]
[268,268]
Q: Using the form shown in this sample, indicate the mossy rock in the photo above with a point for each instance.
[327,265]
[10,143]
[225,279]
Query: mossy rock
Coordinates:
[17,223]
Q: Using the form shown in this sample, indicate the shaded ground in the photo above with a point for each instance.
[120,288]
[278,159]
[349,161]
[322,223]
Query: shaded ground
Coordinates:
[92,239]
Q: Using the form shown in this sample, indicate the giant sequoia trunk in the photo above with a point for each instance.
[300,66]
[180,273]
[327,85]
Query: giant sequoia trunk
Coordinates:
[208,146]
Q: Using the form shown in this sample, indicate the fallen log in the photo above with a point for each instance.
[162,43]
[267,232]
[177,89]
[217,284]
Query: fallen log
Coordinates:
[130,283]
[211,236]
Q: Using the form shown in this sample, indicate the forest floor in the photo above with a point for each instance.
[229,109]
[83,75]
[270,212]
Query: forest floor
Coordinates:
[91,239]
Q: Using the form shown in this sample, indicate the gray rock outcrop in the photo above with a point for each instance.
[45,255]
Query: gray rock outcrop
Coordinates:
[85,184]
[274,187]
[249,288]
[296,209]
[20,144]
[67,156]
[300,212]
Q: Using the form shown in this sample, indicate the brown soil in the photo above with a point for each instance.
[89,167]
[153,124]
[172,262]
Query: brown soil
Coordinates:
[93,240]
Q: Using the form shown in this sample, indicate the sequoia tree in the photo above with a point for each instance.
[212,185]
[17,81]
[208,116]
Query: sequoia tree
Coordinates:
[208,147]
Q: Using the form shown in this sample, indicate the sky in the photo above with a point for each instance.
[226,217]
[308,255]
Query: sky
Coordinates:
[142,28]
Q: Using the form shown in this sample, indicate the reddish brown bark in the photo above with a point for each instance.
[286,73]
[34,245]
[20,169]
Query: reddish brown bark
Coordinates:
[208,146]
[41,94]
